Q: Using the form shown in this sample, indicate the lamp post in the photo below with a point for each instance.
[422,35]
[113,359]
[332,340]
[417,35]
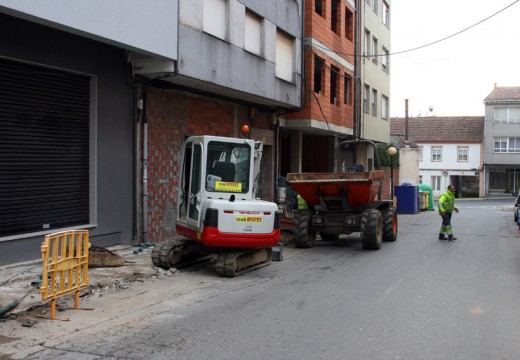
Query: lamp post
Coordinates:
[391,151]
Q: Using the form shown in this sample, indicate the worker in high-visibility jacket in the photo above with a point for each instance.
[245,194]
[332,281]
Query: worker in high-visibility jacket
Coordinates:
[301,203]
[446,207]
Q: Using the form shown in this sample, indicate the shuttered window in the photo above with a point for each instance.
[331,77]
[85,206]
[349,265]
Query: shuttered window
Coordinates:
[214,18]
[253,38]
[44,148]
[284,56]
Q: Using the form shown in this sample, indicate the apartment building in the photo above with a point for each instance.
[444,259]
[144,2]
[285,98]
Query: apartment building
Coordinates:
[99,97]
[502,141]
[347,86]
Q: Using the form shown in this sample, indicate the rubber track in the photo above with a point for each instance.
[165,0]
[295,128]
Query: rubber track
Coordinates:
[161,253]
[231,263]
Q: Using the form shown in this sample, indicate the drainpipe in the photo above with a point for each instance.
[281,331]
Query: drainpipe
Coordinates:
[357,73]
[145,168]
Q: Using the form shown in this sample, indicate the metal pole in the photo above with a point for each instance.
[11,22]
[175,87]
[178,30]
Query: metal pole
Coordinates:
[392,178]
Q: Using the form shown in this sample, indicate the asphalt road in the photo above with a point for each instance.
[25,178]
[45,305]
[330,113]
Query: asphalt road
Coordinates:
[416,298]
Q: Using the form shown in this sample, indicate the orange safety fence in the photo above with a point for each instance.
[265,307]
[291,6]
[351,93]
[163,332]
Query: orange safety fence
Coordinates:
[65,266]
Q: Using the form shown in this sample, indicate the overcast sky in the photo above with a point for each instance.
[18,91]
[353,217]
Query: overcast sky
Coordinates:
[455,75]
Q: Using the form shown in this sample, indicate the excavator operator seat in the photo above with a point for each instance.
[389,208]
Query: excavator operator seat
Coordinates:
[224,170]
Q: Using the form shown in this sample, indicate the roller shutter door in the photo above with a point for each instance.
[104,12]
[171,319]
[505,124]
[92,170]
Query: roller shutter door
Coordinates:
[44,148]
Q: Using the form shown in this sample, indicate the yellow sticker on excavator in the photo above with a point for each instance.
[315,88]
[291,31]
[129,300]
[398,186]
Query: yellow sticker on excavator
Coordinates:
[228,186]
[249,219]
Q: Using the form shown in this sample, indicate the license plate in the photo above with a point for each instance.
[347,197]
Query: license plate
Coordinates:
[249,219]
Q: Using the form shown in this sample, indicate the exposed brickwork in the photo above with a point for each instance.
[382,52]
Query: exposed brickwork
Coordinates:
[172,116]
[318,105]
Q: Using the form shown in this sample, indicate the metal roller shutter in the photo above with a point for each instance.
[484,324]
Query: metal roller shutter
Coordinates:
[44,148]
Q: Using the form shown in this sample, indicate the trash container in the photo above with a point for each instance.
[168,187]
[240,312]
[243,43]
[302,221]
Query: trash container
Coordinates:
[422,200]
[407,199]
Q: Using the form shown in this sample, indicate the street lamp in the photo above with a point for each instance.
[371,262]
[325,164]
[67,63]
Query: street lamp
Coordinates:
[391,151]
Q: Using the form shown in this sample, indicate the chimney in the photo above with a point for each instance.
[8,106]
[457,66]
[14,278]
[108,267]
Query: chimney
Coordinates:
[406,140]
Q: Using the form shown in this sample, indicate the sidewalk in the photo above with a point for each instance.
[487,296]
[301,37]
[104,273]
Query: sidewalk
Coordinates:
[20,282]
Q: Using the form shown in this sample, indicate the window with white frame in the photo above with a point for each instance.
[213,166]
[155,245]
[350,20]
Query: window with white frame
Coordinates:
[384,60]
[374,49]
[366,96]
[386,14]
[506,145]
[214,19]
[462,153]
[436,153]
[284,56]
[384,107]
[507,115]
[420,153]
[436,183]
[367,44]
[374,102]
[253,33]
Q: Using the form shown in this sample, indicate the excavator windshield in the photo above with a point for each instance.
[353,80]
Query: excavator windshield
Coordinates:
[228,167]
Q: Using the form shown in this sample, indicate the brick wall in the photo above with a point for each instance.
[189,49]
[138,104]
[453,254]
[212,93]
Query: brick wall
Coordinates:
[172,116]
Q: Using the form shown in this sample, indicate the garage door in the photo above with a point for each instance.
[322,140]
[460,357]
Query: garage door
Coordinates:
[44,148]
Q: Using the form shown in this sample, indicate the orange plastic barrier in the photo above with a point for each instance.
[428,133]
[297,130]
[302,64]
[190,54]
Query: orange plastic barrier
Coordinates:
[65,266]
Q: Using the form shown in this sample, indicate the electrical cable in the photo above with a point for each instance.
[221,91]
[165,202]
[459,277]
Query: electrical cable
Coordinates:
[421,46]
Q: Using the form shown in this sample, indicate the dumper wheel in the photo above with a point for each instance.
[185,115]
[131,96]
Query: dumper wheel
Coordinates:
[389,224]
[303,237]
[371,229]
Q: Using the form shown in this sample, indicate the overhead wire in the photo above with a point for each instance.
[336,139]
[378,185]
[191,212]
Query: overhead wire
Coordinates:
[421,46]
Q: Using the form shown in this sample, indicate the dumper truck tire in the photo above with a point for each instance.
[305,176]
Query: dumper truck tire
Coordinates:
[389,224]
[371,229]
[303,237]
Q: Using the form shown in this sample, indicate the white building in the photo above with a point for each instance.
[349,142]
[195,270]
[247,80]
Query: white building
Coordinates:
[451,151]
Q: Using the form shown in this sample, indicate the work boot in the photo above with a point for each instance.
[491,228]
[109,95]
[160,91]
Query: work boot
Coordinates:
[451,237]
[442,237]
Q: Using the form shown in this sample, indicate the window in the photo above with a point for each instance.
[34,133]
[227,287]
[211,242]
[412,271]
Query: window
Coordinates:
[462,153]
[384,60]
[318,7]
[384,107]
[334,74]
[347,97]
[420,154]
[386,14]
[318,73]
[215,18]
[334,16]
[436,153]
[366,95]
[253,33]
[367,43]
[436,183]
[374,102]
[508,115]
[374,50]
[374,5]
[349,27]
[420,179]
[506,145]
[284,56]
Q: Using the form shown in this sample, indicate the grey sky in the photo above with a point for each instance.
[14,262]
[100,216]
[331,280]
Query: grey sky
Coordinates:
[455,75]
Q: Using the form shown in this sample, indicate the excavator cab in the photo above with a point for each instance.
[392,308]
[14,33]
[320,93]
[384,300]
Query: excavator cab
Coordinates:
[216,204]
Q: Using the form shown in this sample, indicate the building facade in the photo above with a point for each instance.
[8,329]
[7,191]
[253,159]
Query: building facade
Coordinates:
[502,141]
[114,88]
[450,151]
